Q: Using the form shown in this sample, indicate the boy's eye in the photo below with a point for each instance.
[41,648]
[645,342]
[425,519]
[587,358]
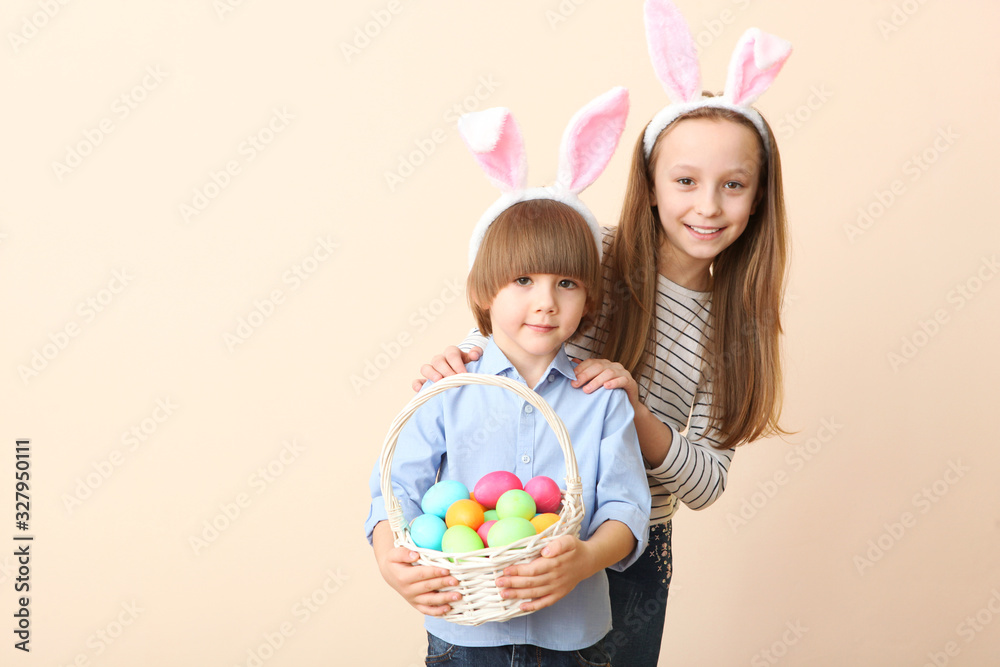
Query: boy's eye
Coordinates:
[566,283]
[523,280]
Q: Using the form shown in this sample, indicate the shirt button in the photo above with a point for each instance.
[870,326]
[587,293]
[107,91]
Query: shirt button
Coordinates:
[528,409]
[525,459]
[552,377]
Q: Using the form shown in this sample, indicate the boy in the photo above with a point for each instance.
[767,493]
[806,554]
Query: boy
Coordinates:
[535,283]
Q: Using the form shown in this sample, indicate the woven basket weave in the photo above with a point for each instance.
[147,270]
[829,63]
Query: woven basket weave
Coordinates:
[477,571]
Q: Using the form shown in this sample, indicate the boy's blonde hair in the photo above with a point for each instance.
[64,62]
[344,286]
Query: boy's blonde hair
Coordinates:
[535,236]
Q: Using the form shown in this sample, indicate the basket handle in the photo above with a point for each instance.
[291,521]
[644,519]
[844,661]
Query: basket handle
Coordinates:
[392,506]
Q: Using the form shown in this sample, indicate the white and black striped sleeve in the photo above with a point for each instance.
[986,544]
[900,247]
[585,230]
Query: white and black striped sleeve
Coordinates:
[693,469]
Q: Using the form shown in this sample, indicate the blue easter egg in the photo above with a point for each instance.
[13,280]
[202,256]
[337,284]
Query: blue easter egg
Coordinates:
[427,530]
[439,497]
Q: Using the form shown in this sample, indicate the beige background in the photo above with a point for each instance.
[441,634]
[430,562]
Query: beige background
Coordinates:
[199,367]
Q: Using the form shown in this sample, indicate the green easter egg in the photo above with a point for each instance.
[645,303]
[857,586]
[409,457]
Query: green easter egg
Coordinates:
[516,503]
[509,530]
[491,515]
[459,539]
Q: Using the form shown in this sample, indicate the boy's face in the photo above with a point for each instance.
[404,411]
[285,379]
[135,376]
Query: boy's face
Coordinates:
[533,316]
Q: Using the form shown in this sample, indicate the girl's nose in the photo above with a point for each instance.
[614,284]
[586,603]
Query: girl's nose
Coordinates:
[708,205]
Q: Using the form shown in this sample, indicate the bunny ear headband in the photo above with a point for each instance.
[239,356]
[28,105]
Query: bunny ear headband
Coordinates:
[588,143]
[755,63]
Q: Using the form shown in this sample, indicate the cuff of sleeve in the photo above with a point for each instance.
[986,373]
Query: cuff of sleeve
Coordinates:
[376,513]
[633,518]
[672,455]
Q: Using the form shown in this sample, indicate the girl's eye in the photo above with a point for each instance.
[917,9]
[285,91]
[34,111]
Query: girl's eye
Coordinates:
[523,280]
[567,284]
[733,185]
[685,181]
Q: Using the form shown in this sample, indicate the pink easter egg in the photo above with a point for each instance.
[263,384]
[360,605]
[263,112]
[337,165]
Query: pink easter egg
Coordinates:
[493,485]
[484,531]
[545,492]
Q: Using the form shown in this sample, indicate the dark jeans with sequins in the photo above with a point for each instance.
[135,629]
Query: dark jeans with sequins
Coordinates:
[639,603]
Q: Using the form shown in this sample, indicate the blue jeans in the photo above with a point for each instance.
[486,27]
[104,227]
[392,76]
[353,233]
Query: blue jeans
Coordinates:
[639,603]
[440,652]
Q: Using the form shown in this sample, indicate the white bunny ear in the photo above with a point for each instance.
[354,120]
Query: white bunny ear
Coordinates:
[495,140]
[591,138]
[756,61]
[672,50]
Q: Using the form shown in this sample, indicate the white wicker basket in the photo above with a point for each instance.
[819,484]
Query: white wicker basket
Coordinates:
[477,571]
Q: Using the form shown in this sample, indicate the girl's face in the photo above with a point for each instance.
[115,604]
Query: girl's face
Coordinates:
[706,182]
[533,316]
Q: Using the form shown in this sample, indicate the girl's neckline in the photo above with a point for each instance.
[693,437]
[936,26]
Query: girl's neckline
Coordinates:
[675,287]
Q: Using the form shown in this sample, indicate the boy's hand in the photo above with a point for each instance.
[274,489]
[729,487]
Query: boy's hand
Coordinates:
[565,562]
[594,373]
[419,586]
[451,362]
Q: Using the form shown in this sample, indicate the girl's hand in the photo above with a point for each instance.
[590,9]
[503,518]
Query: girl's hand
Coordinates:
[594,373]
[451,362]
[419,586]
[565,562]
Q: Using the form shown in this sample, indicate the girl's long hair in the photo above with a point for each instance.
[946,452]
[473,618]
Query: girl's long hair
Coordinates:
[743,356]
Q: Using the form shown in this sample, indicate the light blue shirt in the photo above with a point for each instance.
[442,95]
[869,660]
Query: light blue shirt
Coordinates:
[473,430]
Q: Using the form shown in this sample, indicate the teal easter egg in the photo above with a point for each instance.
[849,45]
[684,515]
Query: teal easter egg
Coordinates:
[427,530]
[509,530]
[516,503]
[459,539]
[439,497]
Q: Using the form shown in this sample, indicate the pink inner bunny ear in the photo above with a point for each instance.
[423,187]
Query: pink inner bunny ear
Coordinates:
[756,61]
[591,138]
[672,50]
[494,139]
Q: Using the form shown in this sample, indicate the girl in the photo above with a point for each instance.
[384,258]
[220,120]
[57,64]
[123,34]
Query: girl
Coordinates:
[691,318]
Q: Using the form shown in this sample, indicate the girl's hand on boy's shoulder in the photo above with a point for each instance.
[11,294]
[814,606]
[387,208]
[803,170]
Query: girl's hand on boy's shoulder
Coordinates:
[591,374]
[450,362]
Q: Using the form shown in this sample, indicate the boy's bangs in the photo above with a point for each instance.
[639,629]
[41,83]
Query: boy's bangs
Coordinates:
[542,236]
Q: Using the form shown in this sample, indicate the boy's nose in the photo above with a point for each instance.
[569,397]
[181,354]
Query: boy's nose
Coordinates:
[545,299]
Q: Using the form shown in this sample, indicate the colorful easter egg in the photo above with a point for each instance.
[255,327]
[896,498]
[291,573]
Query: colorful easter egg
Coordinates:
[545,492]
[465,513]
[459,539]
[484,531]
[516,503]
[509,530]
[543,521]
[439,497]
[427,530]
[489,489]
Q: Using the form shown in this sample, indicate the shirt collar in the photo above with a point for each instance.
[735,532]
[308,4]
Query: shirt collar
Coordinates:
[495,362]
